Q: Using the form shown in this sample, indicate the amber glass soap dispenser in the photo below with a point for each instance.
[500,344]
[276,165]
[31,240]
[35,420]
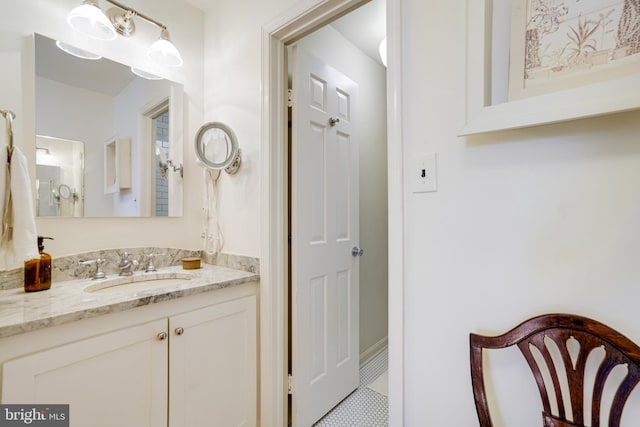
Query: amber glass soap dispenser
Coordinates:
[37,271]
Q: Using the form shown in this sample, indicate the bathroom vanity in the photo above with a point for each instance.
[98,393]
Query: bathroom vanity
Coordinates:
[182,353]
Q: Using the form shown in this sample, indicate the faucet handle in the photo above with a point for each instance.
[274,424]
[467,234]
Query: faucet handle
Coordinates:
[98,262]
[125,258]
[126,265]
[150,265]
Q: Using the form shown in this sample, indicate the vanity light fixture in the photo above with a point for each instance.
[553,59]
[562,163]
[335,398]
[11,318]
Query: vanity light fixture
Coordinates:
[163,52]
[89,19]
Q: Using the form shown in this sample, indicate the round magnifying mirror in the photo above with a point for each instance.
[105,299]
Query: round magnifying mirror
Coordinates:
[64,191]
[217,147]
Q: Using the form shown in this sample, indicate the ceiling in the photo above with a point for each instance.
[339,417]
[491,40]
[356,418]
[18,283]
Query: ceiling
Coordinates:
[365,27]
[103,76]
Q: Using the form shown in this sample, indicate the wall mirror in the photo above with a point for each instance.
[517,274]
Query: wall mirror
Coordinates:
[217,147]
[59,177]
[530,62]
[109,141]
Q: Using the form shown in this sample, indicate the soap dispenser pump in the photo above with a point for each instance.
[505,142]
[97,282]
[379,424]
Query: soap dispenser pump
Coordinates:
[37,271]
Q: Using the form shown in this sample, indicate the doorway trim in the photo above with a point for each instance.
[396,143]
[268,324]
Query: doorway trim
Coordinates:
[148,114]
[293,24]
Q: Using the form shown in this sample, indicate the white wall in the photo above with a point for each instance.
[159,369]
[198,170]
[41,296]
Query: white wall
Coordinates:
[330,46]
[18,21]
[127,125]
[68,120]
[524,222]
[130,104]
[233,54]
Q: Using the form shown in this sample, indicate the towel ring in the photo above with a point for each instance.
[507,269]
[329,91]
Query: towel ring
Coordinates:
[208,141]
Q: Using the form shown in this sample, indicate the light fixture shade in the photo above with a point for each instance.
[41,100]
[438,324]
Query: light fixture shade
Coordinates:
[164,53]
[89,19]
[76,51]
[383,51]
[144,74]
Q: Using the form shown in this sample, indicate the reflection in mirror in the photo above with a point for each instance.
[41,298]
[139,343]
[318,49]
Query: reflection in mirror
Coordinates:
[160,193]
[59,177]
[98,102]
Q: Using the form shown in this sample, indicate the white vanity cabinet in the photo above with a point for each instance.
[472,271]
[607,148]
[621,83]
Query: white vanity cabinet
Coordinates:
[213,366]
[114,379]
[181,363]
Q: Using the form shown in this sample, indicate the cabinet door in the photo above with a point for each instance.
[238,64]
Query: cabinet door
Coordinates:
[115,379]
[213,366]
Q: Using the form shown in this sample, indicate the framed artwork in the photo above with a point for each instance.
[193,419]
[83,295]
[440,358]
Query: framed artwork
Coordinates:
[533,62]
[561,44]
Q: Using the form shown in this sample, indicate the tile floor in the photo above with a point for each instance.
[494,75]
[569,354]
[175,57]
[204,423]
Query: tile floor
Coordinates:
[364,407]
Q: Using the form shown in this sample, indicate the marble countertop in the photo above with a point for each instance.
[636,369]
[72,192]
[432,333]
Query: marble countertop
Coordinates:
[73,300]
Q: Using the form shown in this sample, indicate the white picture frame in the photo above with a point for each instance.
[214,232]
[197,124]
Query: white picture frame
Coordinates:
[558,45]
[481,115]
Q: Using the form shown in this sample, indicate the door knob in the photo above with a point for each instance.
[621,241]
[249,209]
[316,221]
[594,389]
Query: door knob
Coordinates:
[162,336]
[333,121]
[179,331]
[357,251]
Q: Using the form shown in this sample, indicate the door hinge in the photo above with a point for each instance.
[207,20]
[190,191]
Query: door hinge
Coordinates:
[289,97]
[290,384]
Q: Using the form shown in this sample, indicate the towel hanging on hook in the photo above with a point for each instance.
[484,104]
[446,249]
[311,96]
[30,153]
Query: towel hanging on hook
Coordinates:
[18,238]
[7,205]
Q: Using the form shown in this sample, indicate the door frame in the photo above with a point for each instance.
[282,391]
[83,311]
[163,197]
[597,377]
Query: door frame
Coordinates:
[299,20]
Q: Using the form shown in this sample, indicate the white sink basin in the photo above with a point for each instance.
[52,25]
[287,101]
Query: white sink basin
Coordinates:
[138,283]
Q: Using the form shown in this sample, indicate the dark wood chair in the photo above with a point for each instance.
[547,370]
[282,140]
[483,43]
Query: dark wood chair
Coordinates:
[562,328]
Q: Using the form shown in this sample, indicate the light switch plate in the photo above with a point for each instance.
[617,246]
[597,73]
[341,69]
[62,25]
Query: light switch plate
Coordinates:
[424,173]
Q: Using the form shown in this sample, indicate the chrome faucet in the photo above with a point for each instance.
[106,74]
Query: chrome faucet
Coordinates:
[127,265]
[98,262]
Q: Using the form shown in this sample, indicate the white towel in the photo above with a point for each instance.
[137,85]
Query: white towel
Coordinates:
[3,183]
[24,242]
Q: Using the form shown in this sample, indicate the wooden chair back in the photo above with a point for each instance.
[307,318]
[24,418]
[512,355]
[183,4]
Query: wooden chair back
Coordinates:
[575,337]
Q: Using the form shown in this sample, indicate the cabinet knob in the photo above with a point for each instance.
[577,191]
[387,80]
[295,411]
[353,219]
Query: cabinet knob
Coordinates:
[162,336]
[179,331]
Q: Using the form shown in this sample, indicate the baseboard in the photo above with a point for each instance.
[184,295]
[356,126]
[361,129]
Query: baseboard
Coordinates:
[374,350]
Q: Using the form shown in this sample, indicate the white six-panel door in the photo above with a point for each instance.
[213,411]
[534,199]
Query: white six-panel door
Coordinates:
[325,229]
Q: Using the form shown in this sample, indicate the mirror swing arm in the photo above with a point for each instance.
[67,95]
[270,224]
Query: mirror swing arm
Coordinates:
[164,168]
